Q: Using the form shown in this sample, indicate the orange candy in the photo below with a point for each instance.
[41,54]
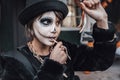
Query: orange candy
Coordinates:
[118,44]
[90,44]
[86,72]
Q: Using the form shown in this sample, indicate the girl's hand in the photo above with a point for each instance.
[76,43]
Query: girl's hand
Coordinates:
[95,10]
[58,53]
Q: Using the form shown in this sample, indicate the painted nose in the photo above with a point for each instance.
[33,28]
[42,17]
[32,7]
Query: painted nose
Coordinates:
[53,30]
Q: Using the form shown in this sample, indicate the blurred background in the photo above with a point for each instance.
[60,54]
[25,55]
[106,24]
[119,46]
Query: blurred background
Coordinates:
[12,32]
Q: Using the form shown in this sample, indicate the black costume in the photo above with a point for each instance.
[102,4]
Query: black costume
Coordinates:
[27,67]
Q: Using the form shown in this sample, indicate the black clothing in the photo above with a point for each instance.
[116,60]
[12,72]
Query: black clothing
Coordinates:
[118,36]
[100,57]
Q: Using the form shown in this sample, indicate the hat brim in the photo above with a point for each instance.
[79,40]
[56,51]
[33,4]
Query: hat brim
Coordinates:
[43,6]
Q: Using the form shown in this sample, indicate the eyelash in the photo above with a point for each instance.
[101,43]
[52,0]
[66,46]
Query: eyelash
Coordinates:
[47,20]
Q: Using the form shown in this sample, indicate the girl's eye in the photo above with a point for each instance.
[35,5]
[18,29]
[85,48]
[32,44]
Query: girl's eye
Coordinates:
[46,21]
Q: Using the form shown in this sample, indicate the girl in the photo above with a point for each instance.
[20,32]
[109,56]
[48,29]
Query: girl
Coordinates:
[44,57]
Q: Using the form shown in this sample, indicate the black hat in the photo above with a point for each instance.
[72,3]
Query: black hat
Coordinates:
[35,7]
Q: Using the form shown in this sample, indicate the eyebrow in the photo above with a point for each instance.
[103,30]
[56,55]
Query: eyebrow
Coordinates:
[45,18]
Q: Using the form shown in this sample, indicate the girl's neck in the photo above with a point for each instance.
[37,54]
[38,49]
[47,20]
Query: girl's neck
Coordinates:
[39,48]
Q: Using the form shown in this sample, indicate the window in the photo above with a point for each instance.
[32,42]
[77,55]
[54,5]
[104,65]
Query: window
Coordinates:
[73,18]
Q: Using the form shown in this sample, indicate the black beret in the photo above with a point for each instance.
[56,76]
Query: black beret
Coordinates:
[36,7]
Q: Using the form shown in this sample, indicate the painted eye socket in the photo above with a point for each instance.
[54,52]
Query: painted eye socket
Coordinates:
[46,21]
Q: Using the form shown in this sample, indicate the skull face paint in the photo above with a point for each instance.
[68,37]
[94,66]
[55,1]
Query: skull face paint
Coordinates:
[46,28]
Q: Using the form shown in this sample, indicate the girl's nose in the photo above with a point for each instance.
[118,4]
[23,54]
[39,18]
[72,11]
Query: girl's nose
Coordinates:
[53,30]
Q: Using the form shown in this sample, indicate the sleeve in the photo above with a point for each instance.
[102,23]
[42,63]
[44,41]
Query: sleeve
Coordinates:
[101,56]
[9,72]
[50,70]
[14,70]
[102,35]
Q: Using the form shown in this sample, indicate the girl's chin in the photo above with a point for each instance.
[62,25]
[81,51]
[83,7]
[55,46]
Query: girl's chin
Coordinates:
[50,43]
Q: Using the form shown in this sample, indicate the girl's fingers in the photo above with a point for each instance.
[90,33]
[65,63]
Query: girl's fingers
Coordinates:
[91,3]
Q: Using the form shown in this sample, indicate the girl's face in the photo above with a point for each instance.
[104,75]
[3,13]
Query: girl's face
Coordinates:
[46,28]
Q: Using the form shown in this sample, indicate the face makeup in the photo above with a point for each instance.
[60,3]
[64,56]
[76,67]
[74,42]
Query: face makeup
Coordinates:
[47,28]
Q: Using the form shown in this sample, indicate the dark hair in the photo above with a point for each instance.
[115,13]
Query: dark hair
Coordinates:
[29,26]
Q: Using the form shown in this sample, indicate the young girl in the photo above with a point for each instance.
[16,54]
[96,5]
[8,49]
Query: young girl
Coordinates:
[44,57]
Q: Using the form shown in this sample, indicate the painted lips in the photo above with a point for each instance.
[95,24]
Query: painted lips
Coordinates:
[52,39]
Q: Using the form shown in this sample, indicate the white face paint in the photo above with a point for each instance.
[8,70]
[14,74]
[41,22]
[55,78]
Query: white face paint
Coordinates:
[47,28]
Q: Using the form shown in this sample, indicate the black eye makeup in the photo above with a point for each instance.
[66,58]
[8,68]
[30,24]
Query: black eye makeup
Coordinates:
[46,21]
